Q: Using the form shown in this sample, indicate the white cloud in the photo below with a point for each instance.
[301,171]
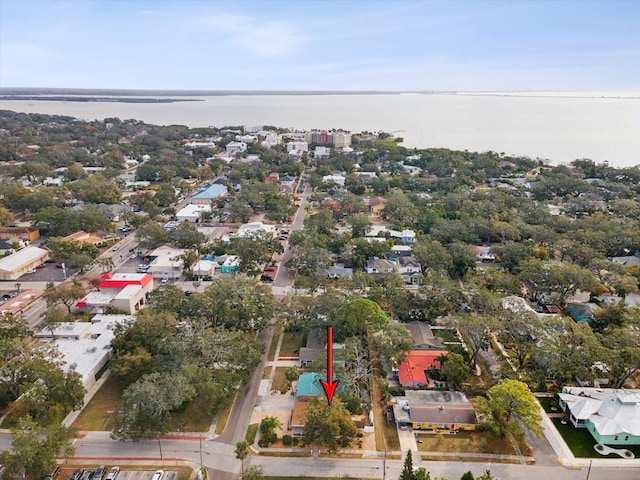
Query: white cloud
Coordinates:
[268,39]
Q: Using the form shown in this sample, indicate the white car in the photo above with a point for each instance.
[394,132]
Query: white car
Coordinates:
[165,280]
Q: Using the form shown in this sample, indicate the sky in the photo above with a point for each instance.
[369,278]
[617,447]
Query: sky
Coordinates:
[321,45]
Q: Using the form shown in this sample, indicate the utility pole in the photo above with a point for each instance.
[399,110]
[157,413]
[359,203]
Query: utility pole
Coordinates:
[200,453]
[384,465]
[589,471]
[160,447]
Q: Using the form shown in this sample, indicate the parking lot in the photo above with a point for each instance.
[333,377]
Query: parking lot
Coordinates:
[65,474]
[48,271]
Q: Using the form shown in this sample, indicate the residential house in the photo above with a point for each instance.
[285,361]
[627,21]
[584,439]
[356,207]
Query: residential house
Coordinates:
[272,177]
[409,269]
[228,263]
[412,373]
[435,410]
[322,152]
[287,183]
[297,145]
[298,416]
[398,251]
[85,237]
[335,178]
[629,260]
[611,415]
[337,271]
[423,337]
[236,147]
[21,233]
[252,228]
[15,265]
[380,265]
[308,385]
[376,206]
[6,247]
[484,254]
[313,348]
[583,312]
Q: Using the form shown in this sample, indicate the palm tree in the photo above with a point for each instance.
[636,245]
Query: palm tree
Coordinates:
[242,452]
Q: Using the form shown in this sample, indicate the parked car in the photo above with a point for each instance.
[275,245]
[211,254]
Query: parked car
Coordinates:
[31,270]
[50,260]
[99,473]
[113,473]
[76,474]
[42,265]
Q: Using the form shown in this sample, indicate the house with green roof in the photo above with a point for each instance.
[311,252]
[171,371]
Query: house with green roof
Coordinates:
[308,385]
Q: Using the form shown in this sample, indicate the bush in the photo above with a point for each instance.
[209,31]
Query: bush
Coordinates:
[287,440]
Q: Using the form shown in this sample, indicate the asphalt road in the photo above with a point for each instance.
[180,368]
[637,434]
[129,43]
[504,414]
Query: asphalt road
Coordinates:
[283,272]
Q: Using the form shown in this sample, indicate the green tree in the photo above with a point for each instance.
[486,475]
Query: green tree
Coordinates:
[477,330]
[455,370]
[358,318]
[146,404]
[186,235]
[360,224]
[291,374]
[68,295]
[255,251]
[254,472]
[238,301]
[242,452]
[392,343]
[152,235]
[510,401]
[34,448]
[407,468]
[328,424]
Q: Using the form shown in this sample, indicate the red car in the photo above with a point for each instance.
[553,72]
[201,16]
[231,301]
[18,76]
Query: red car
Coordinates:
[42,265]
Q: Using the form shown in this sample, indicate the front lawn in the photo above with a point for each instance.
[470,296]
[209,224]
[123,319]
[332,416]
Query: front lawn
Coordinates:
[100,413]
[581,442]
[291,343]
[464,442]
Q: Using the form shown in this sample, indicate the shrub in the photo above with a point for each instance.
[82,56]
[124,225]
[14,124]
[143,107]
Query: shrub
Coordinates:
[287,440]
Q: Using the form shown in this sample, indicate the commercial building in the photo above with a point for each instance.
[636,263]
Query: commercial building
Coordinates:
[166,262]
[193,212]
[85,346]
[15,265]
[209,193]
[127,292]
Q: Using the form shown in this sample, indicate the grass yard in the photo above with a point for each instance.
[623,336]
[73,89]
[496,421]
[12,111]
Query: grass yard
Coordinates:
[447,334]
[550,404]
[291,343]
[280,383]
[581,442]
[193,418]
[274,344]
[464,442]
[100,413]
[222,419]
[251,433]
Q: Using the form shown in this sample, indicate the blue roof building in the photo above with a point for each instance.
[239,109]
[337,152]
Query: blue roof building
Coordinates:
[208,193]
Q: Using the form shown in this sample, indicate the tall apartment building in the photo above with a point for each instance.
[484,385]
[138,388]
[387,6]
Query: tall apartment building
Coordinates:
[338,138]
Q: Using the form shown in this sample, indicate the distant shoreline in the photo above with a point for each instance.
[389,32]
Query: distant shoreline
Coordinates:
[56,98]
[156,96]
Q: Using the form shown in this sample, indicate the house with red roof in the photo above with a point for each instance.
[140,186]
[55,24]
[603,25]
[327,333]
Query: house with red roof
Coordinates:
[127,292]
[412,373]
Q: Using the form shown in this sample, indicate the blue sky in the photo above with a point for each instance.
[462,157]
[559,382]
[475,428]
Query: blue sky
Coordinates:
[321,45]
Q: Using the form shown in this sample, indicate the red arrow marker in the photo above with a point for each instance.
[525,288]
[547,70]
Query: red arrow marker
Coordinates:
[330,385]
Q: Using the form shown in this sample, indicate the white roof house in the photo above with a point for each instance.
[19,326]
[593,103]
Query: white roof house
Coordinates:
[336,178]
[236,147]
[612,415]
[250,229]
